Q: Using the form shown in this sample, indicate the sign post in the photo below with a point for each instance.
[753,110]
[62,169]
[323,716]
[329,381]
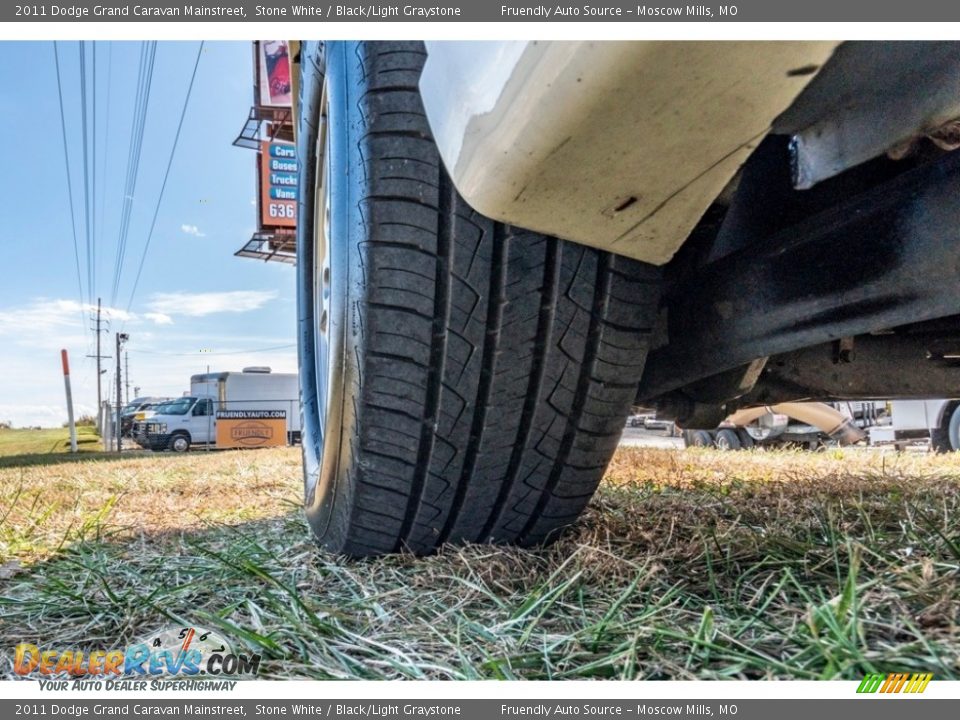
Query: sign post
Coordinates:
[118,428]
[66,383]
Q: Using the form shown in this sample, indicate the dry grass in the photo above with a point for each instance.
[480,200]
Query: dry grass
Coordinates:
[48,507]
[693,564]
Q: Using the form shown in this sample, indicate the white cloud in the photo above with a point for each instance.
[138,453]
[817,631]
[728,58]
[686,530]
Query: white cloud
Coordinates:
[46,316]
[200,304]
[159,318]
[192,230]
[33,332]
[27,415]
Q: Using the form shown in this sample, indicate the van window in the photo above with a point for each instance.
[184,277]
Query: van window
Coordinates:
[203,408]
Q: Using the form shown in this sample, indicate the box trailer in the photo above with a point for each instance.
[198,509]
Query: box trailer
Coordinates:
[913,420]
[256,406]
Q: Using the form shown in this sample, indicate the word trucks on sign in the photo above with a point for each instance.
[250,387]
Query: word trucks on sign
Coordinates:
[278,185]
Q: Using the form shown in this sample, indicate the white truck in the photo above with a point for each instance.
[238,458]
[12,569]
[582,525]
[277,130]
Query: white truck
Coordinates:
[192,419]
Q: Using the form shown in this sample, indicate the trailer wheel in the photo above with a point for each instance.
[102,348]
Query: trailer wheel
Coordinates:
[946,437]
[697,438]
[462,380]
[726,439]
[746,440]
[179,442]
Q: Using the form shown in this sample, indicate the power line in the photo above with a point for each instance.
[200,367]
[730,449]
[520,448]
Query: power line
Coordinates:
[66,159]
[106,141]
[86,168]
[144,84]
[166,175]
[93,175]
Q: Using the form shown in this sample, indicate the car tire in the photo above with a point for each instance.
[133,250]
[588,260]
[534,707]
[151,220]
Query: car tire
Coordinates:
[462,380]
[726,439]
[946,437]
[179,442]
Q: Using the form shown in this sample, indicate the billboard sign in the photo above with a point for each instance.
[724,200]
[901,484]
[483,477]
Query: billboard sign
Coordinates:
[273,72]
[251,428]
[278,185]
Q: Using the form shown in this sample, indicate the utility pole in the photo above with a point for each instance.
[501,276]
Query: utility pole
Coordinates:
[126,372]
[121,338]
[99,357]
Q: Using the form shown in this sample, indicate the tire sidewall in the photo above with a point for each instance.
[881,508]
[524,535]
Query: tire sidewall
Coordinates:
[180,440]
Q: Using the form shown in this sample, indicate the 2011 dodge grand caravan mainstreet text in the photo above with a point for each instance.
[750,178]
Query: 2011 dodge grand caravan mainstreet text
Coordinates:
[504,246]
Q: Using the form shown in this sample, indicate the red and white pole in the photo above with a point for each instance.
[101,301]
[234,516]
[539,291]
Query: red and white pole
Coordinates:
[66,384]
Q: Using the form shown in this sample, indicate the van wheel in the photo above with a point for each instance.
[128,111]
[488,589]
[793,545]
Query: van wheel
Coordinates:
[463,380]
[180,443]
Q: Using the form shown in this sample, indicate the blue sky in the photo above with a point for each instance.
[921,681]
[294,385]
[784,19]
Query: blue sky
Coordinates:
[196,304]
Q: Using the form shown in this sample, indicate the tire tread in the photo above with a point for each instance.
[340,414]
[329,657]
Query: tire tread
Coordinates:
[512,358]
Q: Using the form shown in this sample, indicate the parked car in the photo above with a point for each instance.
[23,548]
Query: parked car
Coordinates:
[130,411]
[503,246]
[637,421]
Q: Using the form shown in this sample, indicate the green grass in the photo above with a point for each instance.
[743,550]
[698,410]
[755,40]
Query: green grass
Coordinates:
[49,443]
[693,564]
[23,448]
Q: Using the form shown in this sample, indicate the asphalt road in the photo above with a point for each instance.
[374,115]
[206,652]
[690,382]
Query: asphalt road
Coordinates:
[641,437]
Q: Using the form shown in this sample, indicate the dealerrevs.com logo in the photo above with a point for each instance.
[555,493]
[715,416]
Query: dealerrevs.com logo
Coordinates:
[174,652]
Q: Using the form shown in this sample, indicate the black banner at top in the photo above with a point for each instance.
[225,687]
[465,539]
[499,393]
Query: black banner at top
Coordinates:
[479,11]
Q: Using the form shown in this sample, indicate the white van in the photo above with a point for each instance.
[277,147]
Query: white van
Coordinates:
[192,419]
